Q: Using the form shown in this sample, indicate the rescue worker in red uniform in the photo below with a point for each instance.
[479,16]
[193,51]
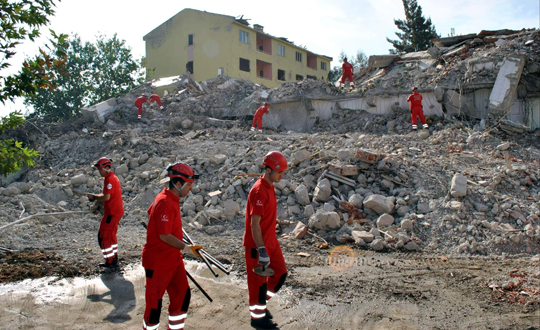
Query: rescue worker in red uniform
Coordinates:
[260,241]
[416,108]
[139,104]
[155,98]
[162,258]
[113,210]
[257,119]
[347,69]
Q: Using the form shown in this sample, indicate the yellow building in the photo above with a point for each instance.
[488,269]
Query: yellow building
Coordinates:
[209,45]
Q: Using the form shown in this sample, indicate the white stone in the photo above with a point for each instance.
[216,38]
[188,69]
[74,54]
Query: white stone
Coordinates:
[343,154]
[300,156]
[356,200]
[407,224]
[308,211]
[323,191]
[385,220]
[232,208]
[379,204]
[301,194]
[323,220]
[329,207]
[78,180]
[186,123]
[459,185]
[122,169]
[362,234]
[377,245]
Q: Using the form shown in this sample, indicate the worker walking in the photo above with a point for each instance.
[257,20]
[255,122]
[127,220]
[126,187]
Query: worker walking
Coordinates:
[260,241]
[257,119]
[347,69]
[416,108]
[113,210]
[139,104]
[162,258]
[155,98]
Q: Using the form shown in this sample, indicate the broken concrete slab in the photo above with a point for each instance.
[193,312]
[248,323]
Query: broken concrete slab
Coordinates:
[100,112]
[381,61]
[505,87]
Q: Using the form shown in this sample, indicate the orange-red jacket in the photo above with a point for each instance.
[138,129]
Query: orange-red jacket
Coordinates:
[416,100]
[261,111]
[262,201]
[111,186]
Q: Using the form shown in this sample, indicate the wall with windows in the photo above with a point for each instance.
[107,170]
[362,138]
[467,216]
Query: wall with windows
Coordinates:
[203,42]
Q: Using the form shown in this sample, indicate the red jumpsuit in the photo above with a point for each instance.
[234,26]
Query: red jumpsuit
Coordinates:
[416,109]
[257,119]
[113,210]
[347,74]
[139,103]
[262,201]
[164,264]
[155,98]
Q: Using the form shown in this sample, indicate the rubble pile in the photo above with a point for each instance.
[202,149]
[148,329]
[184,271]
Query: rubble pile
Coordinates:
[453,190]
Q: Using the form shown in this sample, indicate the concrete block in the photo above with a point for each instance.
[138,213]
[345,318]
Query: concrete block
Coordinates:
[506,84]
[381,61]
[100,111]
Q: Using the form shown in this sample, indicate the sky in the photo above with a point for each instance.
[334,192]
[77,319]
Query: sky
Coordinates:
[325,27]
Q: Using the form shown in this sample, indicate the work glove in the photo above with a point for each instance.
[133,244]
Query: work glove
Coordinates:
[264,259]
[195,249]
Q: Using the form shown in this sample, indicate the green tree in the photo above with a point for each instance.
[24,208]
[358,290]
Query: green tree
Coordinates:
[97,72]
[360,60]
[417,31]
[12,153]
[19,21]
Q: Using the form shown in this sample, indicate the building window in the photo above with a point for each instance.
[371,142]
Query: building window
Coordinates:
[281,50]
[244,37]
[244,64]
[281,75]
[190,39]
[261,47]
[323,66]
[298,56]
[299,77]
[189,67]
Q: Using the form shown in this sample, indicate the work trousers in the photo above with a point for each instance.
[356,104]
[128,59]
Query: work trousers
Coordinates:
[261,289]
[418,112]
[107,236]
[257,121]
[174,281]
[349,77]
[158,101]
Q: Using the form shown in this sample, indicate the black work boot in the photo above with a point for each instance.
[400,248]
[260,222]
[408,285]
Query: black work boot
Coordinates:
[268,315]
[263,323]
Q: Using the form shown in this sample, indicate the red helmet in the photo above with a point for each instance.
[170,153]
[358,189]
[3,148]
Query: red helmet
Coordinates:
[276,161]
[414,89]
[181,170]
[266,104]
[102,162]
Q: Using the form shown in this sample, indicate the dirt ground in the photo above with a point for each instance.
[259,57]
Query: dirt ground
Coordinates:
[337,288]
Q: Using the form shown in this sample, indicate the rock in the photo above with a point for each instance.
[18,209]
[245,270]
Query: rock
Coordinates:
[423,134]
[300,156]
[329,207]
[11,191]
[211,230]
[232,208]
[411,246]
[377,244]
[323,220]
[294,209]
[281,184]
[343,154]
[323,191]
[423,208]
[133,163]
[301,194]
[379,204]
[308,211]
[78,180]
[480,207]
[188,206]
[356,200]
[503,146]
[456,206]
[291,201]
[218,159]
[359,242]
[143,158]
[121,170]
[362,234]
[459,186]
[299,231]
[407,224]
[385,220]
[186,123]
[403,210]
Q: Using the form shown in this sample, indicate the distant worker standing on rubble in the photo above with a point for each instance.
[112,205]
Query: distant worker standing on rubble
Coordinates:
[113,210]
[155,98]
[347,73]
[261,243]
[416,108]
[162,257]
[257,119]
[139,104]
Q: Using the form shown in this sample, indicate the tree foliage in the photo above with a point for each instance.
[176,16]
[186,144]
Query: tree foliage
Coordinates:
[97,72]
[12,153]
[417,31]
[21,20]
[360,60]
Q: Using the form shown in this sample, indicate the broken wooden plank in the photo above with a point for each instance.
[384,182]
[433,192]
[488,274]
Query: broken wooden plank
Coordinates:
[214,193]
[40,215]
